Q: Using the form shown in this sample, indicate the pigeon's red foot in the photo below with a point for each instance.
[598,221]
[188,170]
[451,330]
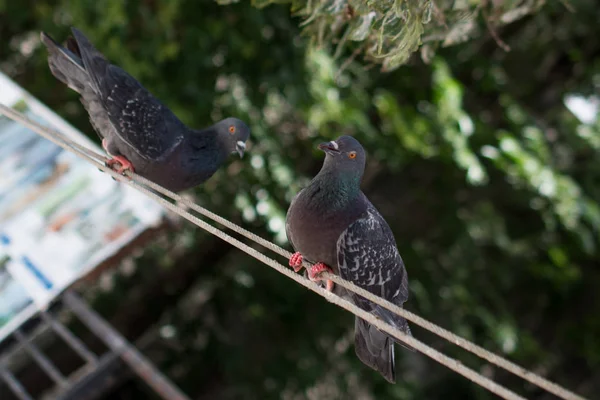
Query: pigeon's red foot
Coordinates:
[296,261]
[316,270]
[125,164]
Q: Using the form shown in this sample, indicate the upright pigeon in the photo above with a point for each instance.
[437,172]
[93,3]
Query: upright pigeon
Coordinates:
[136,129]
[333,224]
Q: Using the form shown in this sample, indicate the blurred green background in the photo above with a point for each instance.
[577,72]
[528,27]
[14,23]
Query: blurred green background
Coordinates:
[484,162]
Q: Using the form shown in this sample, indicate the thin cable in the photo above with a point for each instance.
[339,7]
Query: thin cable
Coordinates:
[481,352]
[416,344]
[137,182]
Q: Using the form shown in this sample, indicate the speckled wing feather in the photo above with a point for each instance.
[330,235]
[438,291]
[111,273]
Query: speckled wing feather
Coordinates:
[139,119]
[368,257]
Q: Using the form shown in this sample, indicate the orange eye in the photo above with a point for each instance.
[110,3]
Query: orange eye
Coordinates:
[232,129]
[352,155]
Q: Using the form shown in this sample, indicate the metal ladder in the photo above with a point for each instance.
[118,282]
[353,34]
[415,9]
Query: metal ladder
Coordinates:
[79,381]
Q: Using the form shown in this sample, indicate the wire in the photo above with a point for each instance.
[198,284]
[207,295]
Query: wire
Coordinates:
[142,184]
[436,329]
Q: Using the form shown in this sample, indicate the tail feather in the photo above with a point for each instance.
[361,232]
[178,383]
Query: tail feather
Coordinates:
[396,321]
[69,66]
[73,46]
[375,349]
[405,329]
[94,61]
[65,65]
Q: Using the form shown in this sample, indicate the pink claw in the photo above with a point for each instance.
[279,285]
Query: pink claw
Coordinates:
[125,164]
[296,261]
[316,270]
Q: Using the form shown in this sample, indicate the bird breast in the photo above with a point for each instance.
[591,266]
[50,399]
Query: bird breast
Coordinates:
[315,231]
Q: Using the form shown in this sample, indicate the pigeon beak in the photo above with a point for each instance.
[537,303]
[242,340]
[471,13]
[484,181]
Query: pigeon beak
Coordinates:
[240,147]
[330,147]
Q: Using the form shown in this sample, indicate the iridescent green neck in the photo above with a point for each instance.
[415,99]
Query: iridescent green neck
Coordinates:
[335,188]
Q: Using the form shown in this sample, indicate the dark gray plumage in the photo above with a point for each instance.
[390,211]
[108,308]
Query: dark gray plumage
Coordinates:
[137,130]
[332,222]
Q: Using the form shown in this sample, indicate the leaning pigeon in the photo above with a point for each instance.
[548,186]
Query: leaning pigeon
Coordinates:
[137,130]
[332,223]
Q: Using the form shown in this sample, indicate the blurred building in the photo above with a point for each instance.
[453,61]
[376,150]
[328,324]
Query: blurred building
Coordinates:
[61,222]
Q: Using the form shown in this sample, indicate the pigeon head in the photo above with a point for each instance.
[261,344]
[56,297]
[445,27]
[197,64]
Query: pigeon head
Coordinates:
[338,182]
[233,133]
[346,156]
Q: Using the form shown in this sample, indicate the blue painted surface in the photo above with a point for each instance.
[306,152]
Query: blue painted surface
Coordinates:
[38,274]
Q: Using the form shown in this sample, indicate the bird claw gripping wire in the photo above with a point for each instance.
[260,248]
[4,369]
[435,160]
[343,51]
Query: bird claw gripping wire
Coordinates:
[296,261]
[313,272]
[314,275]
[125,164]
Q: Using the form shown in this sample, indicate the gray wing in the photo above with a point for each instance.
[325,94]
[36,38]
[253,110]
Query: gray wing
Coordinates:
[139,119]
[368,257]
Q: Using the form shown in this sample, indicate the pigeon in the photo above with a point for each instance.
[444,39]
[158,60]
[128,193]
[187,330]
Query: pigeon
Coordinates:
[332,224]
[138,132]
